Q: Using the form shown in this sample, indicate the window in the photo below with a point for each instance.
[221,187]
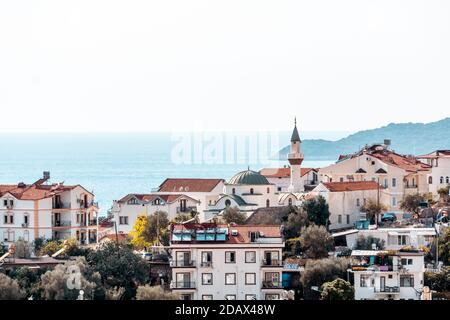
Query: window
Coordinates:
[279,188]
[230,278]
[157,202]
[230,257]
[207,278]
[206,259]
[26,235]
[252,191]
[5,202]
[430,180]
[207,297]
[358,202]
[441,180]
[385,183]
[268,190]
[406,262]
[250,278]
[347,219]
[25,219]
[402,240]
[227,203]
[9,236]
[406,281]
[230,297]
[394,182]
[267,203]
[271,296]
[8,218]
[290,201]
[250,297]
[122,220]
[233,191]
[394,201]
[340,218]
[364,201]
[132,201]
[365,281]
[341,179]
[250,256]
[447,180]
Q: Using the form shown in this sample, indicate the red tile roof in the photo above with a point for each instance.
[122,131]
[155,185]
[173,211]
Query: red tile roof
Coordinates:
[33,191]
[282,172]
[169,198]
[269,231]
[189,185]
[351,186]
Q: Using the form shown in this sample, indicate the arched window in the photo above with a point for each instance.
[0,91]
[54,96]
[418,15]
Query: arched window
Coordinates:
[430,180]
[290,201]
[251,191]
[233,191]
[268,190]
[267,203]
[442,179]
[227,202]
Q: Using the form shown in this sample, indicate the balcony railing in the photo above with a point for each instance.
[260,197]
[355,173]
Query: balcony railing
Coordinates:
[410,186]
[182,285]
[182,263]
[387,289]
[61,205]
[272,285]
[61,223]
[272,263]
[311,182]
[365,267]
[206,264]
[186,209]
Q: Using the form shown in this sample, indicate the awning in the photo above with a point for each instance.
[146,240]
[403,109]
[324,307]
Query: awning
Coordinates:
[344,233]
[426,233]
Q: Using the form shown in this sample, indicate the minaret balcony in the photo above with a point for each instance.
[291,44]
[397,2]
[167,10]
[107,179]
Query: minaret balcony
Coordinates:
[295,156]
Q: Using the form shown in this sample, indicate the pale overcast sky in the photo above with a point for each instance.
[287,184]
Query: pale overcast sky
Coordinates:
[105,65]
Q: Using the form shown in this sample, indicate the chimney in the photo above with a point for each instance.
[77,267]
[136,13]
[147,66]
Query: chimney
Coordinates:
[46,175]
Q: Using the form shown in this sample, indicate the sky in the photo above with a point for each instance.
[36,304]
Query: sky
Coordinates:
[182,65]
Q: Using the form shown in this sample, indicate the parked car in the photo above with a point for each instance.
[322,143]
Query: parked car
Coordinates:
[388,217]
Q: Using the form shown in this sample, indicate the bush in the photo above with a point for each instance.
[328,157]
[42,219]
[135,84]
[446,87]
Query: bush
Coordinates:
[337,290]
[365,243]
[439,282]
[23,249]
[50,247]
[114,293]
[10,289]
[154,293]
[233,215]
[28,280]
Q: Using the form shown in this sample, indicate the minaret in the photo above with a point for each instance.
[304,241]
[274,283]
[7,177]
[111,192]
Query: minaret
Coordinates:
[295,158]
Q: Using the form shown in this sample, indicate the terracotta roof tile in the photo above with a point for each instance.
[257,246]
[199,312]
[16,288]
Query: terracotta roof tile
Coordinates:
[189,185]
[351,186]
[282,172]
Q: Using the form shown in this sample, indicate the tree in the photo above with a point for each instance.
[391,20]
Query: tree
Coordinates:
[66,280]
[365,243]
[50,247]
[154,293]
[373,209]
[28,279]
[136,234]
[183,217]
[411,203]
[443,193]
[10,289]
[156,230]
[3,249]
[317,210]
[231,215]
[296,220]
[337,290]
[114,293]
[439,281]
[444,247]
[318,272]
[316,242]
[74,250]
[119,267]
[23,249]
[38,243]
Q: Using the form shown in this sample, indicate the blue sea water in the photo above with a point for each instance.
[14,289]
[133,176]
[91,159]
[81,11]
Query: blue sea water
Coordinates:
[109,164]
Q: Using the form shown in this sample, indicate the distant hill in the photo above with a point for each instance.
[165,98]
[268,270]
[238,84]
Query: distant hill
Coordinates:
[406,138]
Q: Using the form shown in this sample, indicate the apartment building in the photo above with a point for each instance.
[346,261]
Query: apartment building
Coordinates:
[388,275]
[439,176]
[126,210]
[216,262]
[52,211]
[345,200]
[398,174]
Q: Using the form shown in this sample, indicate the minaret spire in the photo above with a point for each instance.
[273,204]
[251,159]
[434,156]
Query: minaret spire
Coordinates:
[295,158]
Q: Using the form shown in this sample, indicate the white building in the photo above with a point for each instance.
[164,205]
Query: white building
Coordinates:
[387,275]
[205,191]
[399,175]
[345,200]
[439,176]
[52,211]
[281,177]
[217,262]
[126,210]
[396,238]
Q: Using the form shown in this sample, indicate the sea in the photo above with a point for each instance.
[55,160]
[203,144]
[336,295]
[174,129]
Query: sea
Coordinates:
[112,165]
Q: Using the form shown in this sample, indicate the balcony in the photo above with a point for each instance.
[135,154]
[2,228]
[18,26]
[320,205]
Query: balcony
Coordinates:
[410,186]
[375,268]
[182,285]
[186,209]
[311,182]
[388,290]
[24,225]
[61,205]
[206,264]
[182,264]
[272,285]
[272,263]
[60,223]
[92,222]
